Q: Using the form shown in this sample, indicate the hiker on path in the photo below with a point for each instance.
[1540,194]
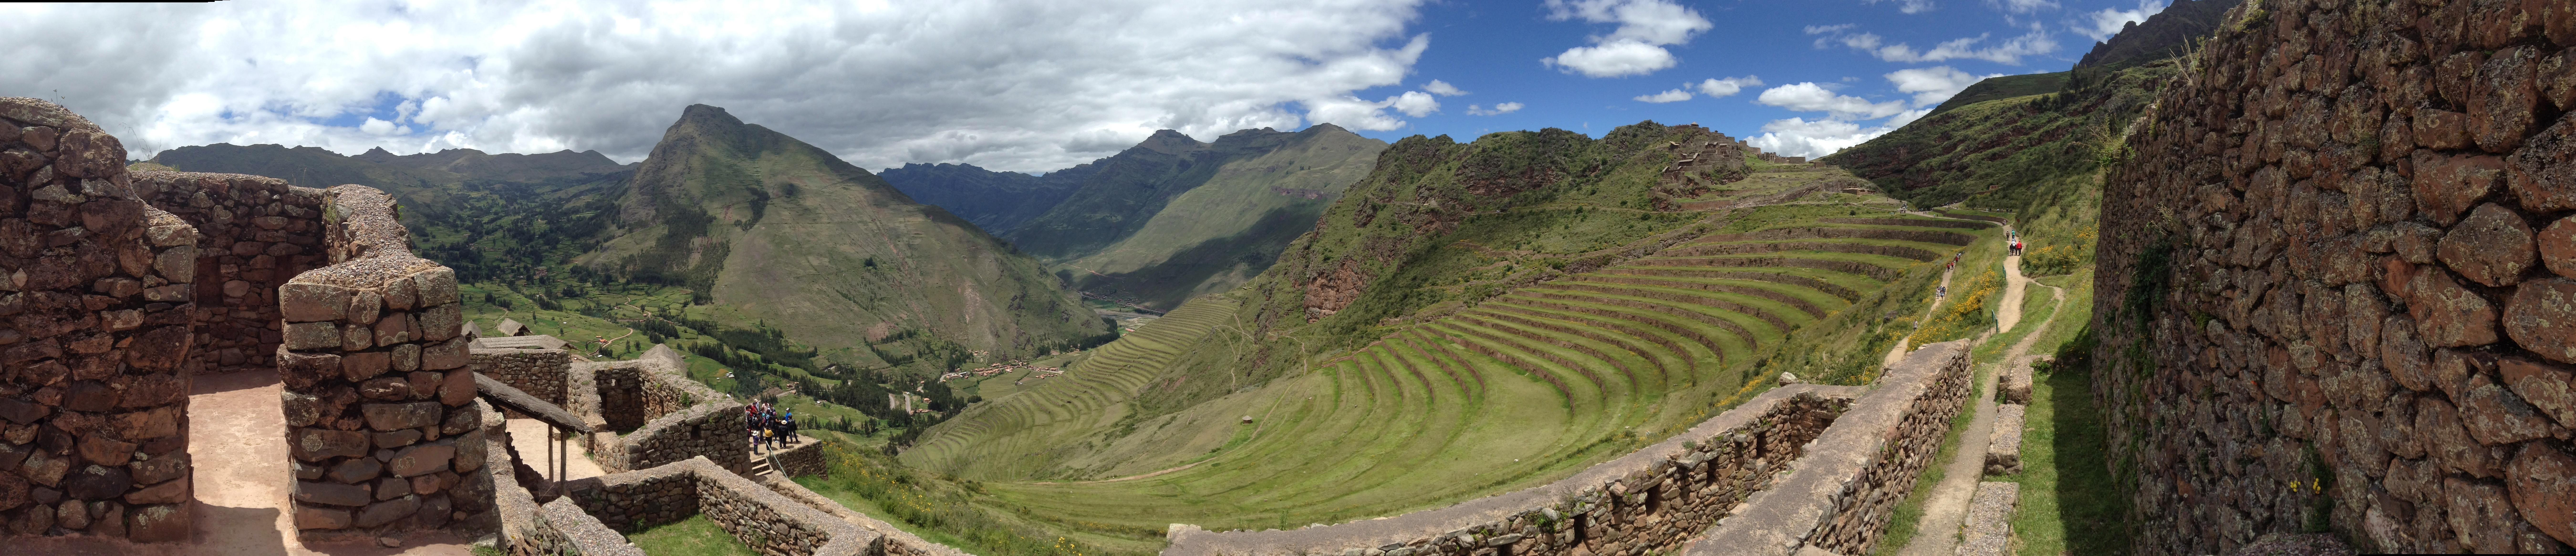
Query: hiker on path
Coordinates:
[787,427]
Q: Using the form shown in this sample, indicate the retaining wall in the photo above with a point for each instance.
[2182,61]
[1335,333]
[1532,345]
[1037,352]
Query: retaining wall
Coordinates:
[710,425]
[2338,283]
[897,541]
[1840,497]
[1650,500]
[803,460]
[96,331]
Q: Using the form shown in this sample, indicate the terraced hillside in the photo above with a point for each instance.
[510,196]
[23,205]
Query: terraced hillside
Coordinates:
[1514,390]
[1080,399]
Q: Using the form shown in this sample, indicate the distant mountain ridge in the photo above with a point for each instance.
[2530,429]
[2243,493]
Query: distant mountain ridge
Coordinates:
[1165,220]
[2164,35]
[504,166]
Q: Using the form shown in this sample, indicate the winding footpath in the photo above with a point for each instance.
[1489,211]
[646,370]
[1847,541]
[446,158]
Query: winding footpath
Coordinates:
[1945,510]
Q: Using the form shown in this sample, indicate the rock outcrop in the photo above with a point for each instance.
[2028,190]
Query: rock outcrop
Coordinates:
[2335,288]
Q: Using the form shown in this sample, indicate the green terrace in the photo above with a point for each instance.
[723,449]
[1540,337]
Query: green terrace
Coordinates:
[1505,393]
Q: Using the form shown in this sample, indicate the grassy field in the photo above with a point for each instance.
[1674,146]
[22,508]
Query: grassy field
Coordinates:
[695,536]
[1525,386]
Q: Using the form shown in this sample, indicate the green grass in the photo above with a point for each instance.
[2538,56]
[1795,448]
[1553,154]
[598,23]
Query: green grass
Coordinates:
[695,536]
[2069,501]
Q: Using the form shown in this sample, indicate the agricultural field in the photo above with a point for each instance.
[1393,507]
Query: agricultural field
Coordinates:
[1468,397]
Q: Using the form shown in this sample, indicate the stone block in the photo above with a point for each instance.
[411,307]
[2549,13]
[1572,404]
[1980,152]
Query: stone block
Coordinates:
[73,514]
[2447,186]
[315,444]
[160,468]
[22,412]
[310,518]
[399,416]
[390,488]
[13,491]
[423,459]
[406,357]
[354,337]
[99,449]
[2541,317]
[159,422]
[313,302]
[45,468]
[108,521]
[439,322]
[2495,416]
[153,390]
[160,349]
[364,307]
[173,491]
[2447,315]
[301,409]
[457,388]
[437,287]
[450,354]
[381,513]
[386,388]
[98,482]
[401,294]
[2542,480]
[312,335]
[357,470]
[176,264]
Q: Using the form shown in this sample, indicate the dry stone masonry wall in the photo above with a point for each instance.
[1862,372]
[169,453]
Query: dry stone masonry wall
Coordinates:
[380,402]
[253,234]
[803,460]
[1652,500]
[771,523]
[683,418]
[1841,496]
[539,372]
[96,327]
[2339,282]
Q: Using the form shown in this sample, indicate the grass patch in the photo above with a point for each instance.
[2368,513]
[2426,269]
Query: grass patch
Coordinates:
[695,536]
[2069,502]
[955,513]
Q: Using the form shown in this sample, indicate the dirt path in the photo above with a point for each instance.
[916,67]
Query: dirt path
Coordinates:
[1898,353]
[235,443]
[1945,511]
[529,437]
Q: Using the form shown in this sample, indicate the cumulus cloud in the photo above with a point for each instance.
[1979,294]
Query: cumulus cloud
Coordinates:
[1009,84]
[1675,95]
[1442,88]
[1724,87]
[1810,97]
[1814,138]
[2008,52]
[1636,47]
[1907,6]
[1934,84]
[2110,21]
[1504,108]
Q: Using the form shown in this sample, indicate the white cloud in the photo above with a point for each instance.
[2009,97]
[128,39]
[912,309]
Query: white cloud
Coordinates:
[1827,29]
[1723,87]
[1675,95]
[1008,84]
[2009,52]
[1504,108]
[1907,6]
[1636,47]
[2022,6]
[1414,103]
[1933,84]
[1810,97]
[1814,138]
[2110,21]
[1442,88]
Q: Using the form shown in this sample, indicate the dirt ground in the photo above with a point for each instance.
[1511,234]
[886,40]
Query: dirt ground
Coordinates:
[237,440]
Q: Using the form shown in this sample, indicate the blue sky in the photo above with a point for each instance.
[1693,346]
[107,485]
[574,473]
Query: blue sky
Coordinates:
[1494,52]
[1027,85]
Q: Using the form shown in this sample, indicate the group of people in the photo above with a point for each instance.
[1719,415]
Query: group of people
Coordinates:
[2015,237]
[770,426]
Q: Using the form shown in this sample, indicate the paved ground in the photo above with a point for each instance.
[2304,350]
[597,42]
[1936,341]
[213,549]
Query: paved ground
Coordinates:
[237,440]
[529,437]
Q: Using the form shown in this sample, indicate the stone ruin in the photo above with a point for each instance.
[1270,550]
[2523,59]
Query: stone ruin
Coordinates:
[117,287]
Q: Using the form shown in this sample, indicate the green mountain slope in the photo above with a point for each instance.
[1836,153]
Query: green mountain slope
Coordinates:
[1232,226]
[1468,319]
[788,234]
[995,201]
[2167,34]
[505,166]
[1128,189]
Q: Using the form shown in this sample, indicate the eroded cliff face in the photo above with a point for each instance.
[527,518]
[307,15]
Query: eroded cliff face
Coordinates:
[2339,282]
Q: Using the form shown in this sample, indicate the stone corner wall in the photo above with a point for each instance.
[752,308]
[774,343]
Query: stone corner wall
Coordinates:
[96,327]
[1842,495]
[803,460]
[378,392]
[544,373]
[770,522]
[2338,282]
[1651,500]
[684,418]
[253,234]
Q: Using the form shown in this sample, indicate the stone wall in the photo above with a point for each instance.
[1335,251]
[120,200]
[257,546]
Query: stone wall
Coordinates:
[1651,500]
[802,460]
[539,372]
[96,326]
[2338,283]
[379,395]
[687,419]
[897,541]
[771,523]
[253,234]
[1841,496]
